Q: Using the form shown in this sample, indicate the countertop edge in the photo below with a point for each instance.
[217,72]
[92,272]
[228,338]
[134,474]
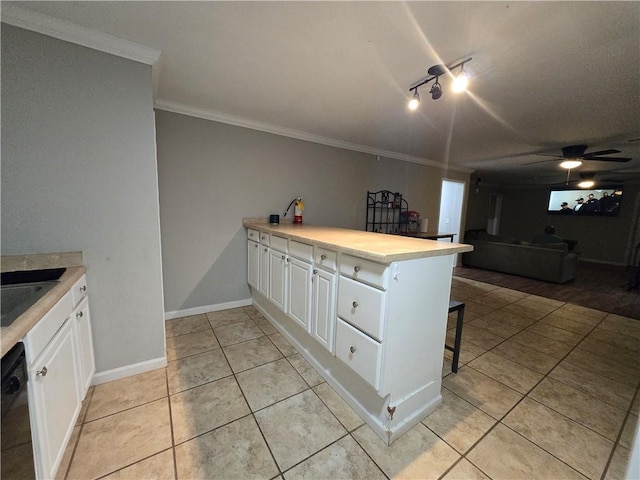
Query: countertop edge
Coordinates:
[15,332]
[423,249]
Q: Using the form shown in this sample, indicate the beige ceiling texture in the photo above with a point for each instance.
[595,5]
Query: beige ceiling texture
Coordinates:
[544,75]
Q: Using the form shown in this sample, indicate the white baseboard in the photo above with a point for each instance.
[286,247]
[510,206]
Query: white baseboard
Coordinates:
[129,370]
[207,308]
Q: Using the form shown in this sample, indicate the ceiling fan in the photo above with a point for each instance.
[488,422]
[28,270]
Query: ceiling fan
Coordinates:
[577,152]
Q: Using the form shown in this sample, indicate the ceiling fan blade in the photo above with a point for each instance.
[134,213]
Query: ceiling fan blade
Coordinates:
[601,152]
[606,159]
[543,161]
[548,155]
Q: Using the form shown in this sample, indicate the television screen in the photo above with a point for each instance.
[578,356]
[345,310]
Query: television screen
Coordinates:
[603,201]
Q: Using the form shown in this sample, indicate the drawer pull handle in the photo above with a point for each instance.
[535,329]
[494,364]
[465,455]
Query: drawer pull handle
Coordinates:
[83,288]
[323,257]
[352,349]
[356,269]
[43,372]
[79,314]
[355,304]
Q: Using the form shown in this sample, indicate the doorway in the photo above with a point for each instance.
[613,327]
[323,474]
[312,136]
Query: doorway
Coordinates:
[495,209]
[451,201]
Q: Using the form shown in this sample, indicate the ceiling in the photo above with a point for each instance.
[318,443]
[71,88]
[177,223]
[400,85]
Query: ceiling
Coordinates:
[544,74]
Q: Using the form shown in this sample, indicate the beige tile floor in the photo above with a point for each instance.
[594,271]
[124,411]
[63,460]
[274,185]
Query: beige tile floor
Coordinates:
[546,390]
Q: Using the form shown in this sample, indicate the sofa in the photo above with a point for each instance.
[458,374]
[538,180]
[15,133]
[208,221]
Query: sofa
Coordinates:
[551,262]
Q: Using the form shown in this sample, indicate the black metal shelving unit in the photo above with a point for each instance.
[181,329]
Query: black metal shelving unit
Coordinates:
[385,211]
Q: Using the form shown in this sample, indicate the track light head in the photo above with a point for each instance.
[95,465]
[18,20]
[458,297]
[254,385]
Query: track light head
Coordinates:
[415,101]
[460,83]
[436,90]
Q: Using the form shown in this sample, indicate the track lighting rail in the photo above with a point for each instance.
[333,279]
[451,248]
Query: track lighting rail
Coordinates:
[441,72]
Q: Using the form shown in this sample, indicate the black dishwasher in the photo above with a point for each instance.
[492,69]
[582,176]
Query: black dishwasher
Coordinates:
[17,451]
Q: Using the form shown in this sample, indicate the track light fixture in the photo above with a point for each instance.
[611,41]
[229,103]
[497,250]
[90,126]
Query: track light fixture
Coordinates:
[435,72]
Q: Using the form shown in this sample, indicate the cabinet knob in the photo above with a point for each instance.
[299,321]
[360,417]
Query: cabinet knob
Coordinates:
[284,257]
[265,249]
[323,257]
[352,349]
[83,288]
[356,269]
[43,372]
[315,272]
[79,314]
[355,304]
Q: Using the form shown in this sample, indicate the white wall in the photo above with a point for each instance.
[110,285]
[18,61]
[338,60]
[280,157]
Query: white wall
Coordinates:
[79,173]
[211,175]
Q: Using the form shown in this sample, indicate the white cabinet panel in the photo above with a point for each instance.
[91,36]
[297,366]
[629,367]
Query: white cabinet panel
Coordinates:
[54,400]
[278,279]
[323,318]
[300,292]
[263,285]
[360,352]
[362,306]
[84,338]
[253,264]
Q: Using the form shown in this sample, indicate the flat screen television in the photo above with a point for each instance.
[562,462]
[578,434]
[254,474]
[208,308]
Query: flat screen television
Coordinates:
[601,201]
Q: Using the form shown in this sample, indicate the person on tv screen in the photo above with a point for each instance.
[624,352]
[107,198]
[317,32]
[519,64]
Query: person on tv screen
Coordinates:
[578,206]
[564,209]
[592,206]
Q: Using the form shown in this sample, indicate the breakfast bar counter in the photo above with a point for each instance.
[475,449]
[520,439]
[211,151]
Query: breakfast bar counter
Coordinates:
[367,310]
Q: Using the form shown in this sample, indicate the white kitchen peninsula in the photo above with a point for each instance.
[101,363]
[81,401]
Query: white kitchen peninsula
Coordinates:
[367,310]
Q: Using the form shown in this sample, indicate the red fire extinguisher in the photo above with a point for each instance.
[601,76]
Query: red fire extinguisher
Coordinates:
[297,211]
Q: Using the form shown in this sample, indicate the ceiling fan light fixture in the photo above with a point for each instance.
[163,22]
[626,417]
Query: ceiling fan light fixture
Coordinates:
[570,164]
[415,101]
[586,184]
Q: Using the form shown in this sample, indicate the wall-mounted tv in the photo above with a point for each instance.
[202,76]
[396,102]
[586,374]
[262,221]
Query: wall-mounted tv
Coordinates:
[603,201]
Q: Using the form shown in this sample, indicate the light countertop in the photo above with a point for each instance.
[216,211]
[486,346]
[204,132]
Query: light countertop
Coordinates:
[14,333]
[378,247]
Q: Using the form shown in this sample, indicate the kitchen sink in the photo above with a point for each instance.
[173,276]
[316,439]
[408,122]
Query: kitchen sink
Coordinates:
[20,290]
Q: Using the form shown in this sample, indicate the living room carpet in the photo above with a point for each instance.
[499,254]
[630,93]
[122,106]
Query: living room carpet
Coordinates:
[600,286]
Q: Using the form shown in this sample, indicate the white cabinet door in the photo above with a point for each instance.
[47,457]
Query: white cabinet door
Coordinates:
[55,401]
[278,279]
[84,340]
[323,317]
[263,284]
[299,292]
[253,264]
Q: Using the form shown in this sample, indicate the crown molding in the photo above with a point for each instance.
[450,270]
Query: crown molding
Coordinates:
[238,121]
[71,32]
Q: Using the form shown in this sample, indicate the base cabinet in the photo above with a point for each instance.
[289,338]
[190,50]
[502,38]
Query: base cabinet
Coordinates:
[375,330]
[60,368]
[54,399]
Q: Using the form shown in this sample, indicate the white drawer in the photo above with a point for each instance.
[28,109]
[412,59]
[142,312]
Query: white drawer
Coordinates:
[376,274]
[301,251]
[360,352]
[279,243]
[264,238]
[41,334]
[253,234]
[362,306]
[79,290]
[326,259]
